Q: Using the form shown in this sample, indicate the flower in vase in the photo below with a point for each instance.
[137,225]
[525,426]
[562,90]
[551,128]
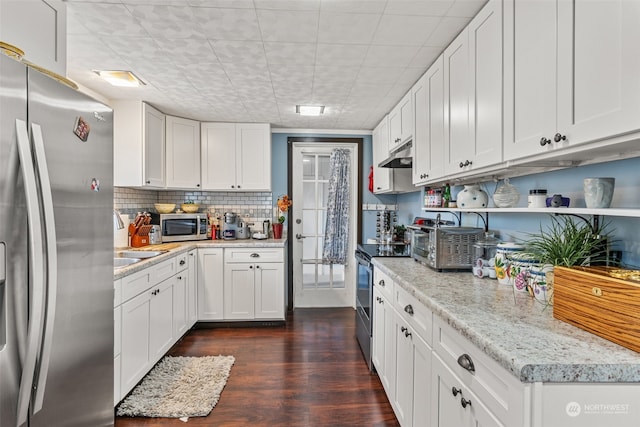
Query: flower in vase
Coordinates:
[284,202]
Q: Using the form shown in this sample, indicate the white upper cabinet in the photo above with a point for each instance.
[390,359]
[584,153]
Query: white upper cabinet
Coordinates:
[555,55]
[401,122]
[382,177]
[44,38]
[473,93]
[183,153]
[236,156]
[429,127]
[138,145]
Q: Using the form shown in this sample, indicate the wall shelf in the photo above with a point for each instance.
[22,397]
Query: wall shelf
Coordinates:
[621,212]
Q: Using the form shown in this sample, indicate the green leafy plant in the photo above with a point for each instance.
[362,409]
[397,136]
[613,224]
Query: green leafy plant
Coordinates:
[189,202]
[568,243]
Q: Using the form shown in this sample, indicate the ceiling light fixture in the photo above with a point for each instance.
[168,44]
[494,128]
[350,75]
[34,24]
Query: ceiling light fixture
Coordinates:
[310,110]
[120,78]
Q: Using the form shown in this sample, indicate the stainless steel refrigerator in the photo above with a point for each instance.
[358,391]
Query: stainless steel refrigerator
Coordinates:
[56,253]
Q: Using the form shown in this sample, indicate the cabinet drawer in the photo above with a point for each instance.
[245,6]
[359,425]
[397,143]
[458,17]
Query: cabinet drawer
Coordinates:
[182,263]
[253,255]
[140,281]
[383,283]
[414,313]
[501,392]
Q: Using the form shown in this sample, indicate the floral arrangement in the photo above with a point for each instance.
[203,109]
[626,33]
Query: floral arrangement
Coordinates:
[284,202]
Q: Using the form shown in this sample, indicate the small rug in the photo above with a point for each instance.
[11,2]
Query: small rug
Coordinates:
[179,387]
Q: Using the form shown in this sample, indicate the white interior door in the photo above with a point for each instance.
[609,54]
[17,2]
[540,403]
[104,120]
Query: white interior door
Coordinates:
[316,284]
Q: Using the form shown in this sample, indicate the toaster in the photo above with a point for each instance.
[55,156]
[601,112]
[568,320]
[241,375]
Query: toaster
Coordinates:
[444,248]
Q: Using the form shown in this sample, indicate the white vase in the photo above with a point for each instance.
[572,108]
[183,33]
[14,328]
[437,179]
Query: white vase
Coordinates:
[472,196]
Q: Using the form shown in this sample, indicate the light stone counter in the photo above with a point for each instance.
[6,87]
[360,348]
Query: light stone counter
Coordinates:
[176,248]
[520,335]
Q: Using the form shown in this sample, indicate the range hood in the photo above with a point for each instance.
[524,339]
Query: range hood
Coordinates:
[401,157]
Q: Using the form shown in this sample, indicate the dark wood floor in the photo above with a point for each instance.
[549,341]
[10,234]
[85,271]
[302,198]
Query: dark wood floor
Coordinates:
[308,373]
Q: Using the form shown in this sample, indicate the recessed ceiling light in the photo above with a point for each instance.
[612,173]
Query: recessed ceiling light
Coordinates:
[120,78]
[310,110]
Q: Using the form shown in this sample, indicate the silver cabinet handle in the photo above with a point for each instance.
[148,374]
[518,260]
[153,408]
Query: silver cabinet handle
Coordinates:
[255,255]
[466,362]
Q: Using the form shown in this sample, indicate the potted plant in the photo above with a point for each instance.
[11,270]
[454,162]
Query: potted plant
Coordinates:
[283,206]
[566,242]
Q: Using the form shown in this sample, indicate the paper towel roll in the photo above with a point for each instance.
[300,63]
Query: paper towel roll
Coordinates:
[121,237]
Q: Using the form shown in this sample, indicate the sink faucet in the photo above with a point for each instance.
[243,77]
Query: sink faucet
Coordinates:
[117,221]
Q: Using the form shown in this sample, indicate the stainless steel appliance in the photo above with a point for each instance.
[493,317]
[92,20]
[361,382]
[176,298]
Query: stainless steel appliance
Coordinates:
[230,226]
[56,253]
[181,227]
[364,293]
[444,247]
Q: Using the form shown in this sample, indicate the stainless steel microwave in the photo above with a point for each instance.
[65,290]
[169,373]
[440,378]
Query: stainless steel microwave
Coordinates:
[444,248]
[181,227]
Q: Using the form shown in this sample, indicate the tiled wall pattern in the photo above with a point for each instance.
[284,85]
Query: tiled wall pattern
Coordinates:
[251,207]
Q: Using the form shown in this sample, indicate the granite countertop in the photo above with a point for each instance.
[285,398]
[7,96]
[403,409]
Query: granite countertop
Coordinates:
[176,248]
[521,335]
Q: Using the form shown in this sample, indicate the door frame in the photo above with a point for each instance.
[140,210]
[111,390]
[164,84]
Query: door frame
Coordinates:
[359,142]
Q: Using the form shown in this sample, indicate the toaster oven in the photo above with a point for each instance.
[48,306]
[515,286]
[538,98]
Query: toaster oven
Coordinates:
[444,248]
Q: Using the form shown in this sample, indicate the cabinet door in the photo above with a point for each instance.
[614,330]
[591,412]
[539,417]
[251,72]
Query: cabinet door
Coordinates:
[180,304]
[135,340]
[154,147]
[485,95]
[429,126]
[161,320]
[210,284]
[598,69]
[183,153]
[529,77]
[269,291]
[192,289]
[401,122]
[446,405]
[117,351]
[403,400]
[218,156]
[382,177]
[421,382]
[458,144]
[239,281]
[253,157]
[378,342]
[383,354]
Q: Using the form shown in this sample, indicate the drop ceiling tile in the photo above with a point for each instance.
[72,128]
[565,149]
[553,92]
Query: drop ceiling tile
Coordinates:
[285,53]
[353,6]
[410,76]
[466,8]
[228,24]
[379,75]
[138,51]
[291,74]
[448,29]
[233,4]
[390,56]
[239,73]
[369,91]
[172,22]
[334,74]
[347,28]
[240,52]
[287,4]
[288,26]
[187,51]
[418,7]
[206,74]
[83,47]
[102,18]
[404,30]
[425,57]
[341,54]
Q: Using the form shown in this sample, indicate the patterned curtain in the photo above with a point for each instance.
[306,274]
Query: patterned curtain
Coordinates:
[336,237]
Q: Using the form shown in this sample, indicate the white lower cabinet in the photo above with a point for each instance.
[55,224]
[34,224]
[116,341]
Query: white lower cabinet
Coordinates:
[117,339]
[383,348]
[210,283]
[192,288]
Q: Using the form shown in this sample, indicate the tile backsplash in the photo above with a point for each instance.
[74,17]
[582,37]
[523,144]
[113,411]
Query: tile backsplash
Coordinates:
[250,206]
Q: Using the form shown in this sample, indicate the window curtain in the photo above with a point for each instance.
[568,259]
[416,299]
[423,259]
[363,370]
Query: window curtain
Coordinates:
[336,237]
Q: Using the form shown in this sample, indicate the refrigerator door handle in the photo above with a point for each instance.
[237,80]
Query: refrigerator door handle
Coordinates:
[51,263]
[36,249]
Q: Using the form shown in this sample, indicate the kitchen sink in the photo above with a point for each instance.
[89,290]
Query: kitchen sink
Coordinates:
[137,254]
[119,262]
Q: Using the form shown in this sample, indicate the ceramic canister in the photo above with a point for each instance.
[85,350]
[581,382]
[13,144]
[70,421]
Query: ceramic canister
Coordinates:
[503,259]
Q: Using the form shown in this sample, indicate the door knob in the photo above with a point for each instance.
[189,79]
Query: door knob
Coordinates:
[300,236]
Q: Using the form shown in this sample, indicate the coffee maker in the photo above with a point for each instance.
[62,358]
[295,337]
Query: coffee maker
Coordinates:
[230,226]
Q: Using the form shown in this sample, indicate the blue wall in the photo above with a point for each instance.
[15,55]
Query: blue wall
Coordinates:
[568,182]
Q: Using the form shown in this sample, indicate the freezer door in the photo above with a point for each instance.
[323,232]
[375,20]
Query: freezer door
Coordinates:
[75,382]
[13,239]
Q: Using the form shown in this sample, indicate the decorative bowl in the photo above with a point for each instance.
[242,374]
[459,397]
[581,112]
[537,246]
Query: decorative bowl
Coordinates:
[164,208]
[190,207]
